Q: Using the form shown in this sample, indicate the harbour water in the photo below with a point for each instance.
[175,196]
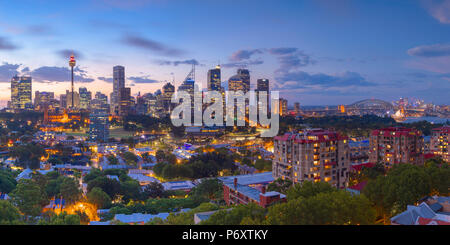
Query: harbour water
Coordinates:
[429,119]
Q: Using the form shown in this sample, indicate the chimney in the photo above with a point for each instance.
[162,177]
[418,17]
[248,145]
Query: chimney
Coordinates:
[235,183]
[263,189]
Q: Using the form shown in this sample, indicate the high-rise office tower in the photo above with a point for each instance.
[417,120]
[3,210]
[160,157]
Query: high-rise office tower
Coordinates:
[124,101]
[214,79]
[297,108]
[85,98]
[283,107]
[99,126]
[63,101]
[21,93]
[168,90]
[263,85]
[75,99]
[118,83]
[42,98]
[245,75]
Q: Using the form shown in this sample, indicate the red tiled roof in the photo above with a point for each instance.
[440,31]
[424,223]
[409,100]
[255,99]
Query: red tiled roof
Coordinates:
[358,167]
[427,221]
[358,186]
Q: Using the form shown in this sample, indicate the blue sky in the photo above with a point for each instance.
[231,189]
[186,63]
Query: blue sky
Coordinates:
[316,52]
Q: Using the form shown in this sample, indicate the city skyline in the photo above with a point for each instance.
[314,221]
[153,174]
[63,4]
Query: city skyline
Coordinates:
[313,52]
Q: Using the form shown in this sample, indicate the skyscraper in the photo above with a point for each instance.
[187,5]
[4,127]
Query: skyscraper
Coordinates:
[118,83]
[75,99]
[214,79]
[262,85]
[42,98]
[21,93]
[98,126]
[245,76]
[168,90]
[124,101]
[85,98]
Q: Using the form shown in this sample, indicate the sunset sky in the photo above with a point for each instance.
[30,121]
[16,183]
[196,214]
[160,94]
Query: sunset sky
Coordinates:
[316,52]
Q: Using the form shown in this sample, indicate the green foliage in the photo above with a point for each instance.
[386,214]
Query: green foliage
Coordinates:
[208,189]
[70,190]
[405,184]
[109,186]
[99,198]
[130,158]
[50,218]
[280,185]
[28,197]
[263,165]
[112,160]
[309,189]
[7,181]
[28,156]
[8,213]
[187,218]
[154,190]
[239,215]
[324,208]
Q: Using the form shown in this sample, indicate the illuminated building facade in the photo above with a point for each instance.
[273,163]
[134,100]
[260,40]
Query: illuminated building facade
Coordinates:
[396,145]
[75,100]
[124,102]
[262,85]
[168,90]
[63,101]
[439,142]
[41,99]
[313,155]
[85,98]
[283,107]
[99,126]
[21,93]
[213,82]
[297,108]
[240,81]
[118,83]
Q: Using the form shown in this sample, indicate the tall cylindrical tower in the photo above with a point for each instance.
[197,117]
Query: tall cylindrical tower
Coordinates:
[72,64]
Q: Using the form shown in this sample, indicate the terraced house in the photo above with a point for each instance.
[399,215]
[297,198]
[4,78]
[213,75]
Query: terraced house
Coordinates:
[313,155]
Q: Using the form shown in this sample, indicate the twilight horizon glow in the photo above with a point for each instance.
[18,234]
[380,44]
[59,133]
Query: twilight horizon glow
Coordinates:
[313,52]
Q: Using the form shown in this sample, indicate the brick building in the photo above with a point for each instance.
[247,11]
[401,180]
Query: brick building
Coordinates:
[396,145]
[439,142]
[235,193]
[313,155]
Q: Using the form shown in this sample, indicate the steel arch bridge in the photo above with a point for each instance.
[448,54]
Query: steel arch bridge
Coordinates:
[371,104]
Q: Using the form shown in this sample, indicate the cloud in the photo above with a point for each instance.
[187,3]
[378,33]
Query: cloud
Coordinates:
[282,51]
[178,62]
[301,79]
[39,30]
[150,45]
[66,53]
[106,79]
[7,71]
[241,55]
[143,79]
[439,9]
[59,74]
[242,64]
[435,50]
[5,44]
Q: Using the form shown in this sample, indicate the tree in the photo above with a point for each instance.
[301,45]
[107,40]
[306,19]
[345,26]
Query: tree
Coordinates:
[113,160]
[262,164]
[131,190]
[109,186]
[326,208]
[280,185]
[28,156]
[27,197]
[309,189]
[208,189]
[8,213]
[70,190]
[130,158]
[7,181]
[50,218]
[237,216]
[99,198]
[154,190]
